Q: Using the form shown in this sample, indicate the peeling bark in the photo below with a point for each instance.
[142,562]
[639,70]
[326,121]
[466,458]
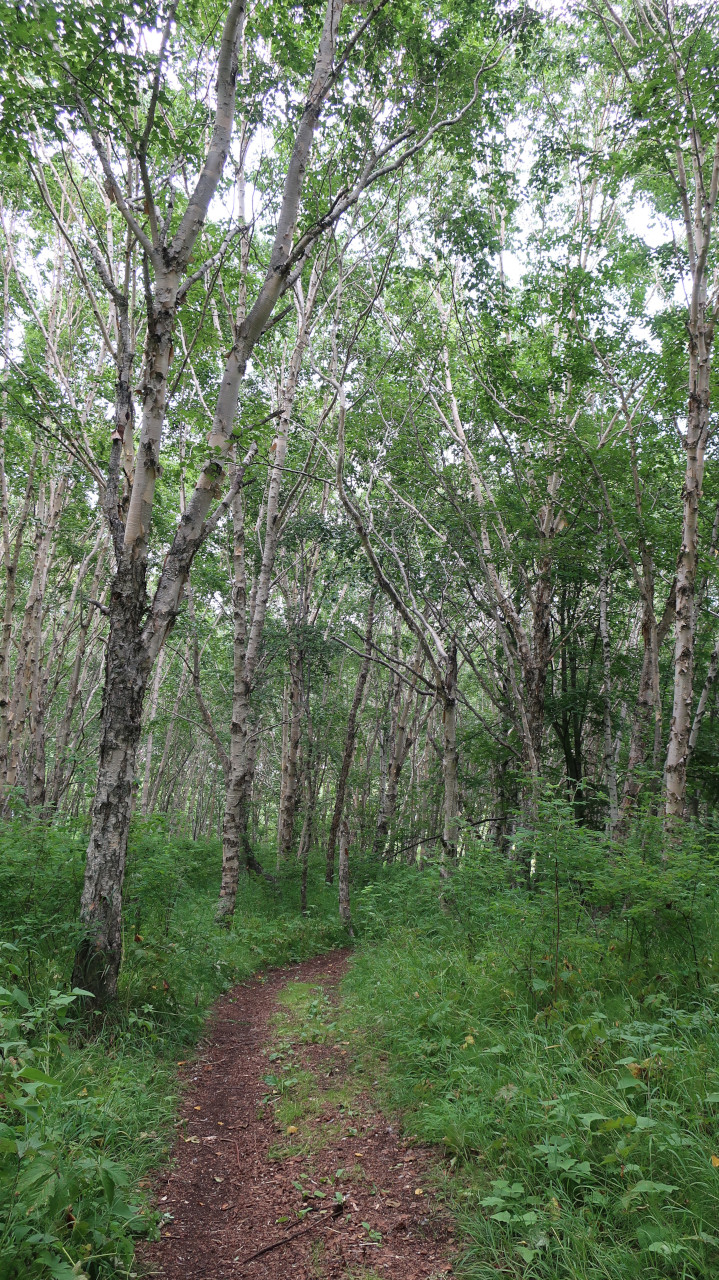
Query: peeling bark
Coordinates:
[695,440]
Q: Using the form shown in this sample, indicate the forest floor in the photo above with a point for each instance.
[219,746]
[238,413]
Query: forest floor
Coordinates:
[284,1166]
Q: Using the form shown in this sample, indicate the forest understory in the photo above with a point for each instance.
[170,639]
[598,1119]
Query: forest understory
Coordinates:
[359,639]
[560,1132]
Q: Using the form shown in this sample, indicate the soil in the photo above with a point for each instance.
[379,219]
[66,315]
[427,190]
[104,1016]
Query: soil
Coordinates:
[233,1209]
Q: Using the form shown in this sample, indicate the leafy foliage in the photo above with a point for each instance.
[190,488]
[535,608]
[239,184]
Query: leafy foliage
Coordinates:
[84,1118]
[577,1106]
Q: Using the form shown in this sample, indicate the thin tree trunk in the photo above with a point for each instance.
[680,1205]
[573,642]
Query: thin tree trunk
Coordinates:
[704,698]
[313,783]
[11,561]
[154,697]
[675,769]
[62,734]
[450,759]
[243,742]
[402,746]
[350,741]
[284,747]
[344,878]
[653,635]
[248,639]
[291,771]
[26,695]
[170,733]
[610,769]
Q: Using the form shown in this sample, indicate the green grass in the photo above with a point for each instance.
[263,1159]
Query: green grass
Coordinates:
[295,1093]
[578,1125]
[84,1119]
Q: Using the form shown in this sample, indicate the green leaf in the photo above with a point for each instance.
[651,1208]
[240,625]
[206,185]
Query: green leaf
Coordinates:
[645,1188]
[108,1185]
[32,1073]
[627,1082]
[618,1122]
[527,1255]
[588,1117]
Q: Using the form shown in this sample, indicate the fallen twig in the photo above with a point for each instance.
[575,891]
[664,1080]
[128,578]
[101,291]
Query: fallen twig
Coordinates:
[286,1240]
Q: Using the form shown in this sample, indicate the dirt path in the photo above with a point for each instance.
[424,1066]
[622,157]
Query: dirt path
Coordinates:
[338,1194]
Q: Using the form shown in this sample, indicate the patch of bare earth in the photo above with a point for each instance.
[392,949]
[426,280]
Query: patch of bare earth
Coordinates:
[239,1202]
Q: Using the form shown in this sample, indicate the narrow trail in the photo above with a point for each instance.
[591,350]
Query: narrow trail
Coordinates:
[347,1198]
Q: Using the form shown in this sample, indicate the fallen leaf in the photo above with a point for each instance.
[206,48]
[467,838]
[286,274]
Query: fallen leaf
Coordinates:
[715,1161]
[292,1128]
[224,1206]
[359,1153]
[192,1139]
[182,1062]
[418,1191]
[197,1108]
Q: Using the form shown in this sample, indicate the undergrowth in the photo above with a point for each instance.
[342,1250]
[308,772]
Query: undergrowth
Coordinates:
[87,1112]
[557,1035]
[549,1020]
